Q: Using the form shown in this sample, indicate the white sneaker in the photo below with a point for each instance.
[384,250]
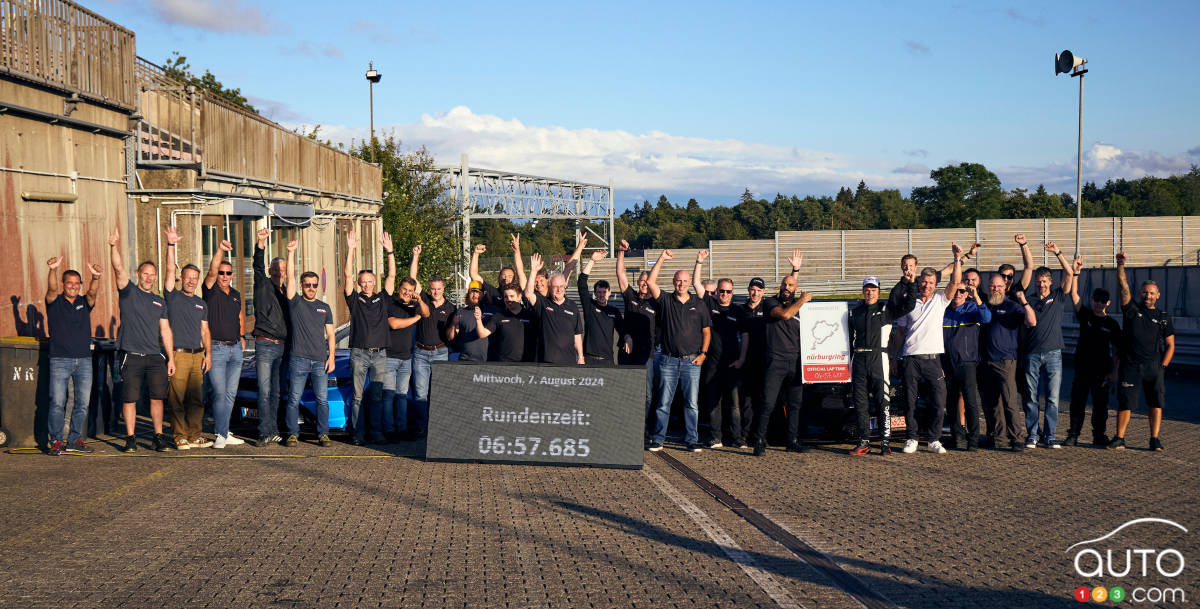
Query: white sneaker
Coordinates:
[219,441]
[232,440]
[910,446]
[1031,445]
[937,448]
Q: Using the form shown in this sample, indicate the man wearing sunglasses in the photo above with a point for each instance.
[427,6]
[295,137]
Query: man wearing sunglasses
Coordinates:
[1009,272]
[313,348]
[721,371]
[227,323]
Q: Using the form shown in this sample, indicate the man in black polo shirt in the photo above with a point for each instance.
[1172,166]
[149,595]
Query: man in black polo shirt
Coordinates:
[271,322]
[719,375]
[469,326]
[1096,362]
[686,333]
[188,314]
[783,360]
[146,339]
[227,323]
[405,310]
[506,275]
[1043,351]
[559,319]
[69,317]
[641,326]
[430,341]
[753,359]
[313,345]
[511,327]
[368,341]
[1149,346]
[601,321]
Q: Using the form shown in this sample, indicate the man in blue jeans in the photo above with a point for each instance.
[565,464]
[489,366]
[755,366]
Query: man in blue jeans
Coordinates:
[313,343]
[405,309]
[1043,359]
[271,321]
[226,324]
[69,318]
[368,341]
[430,342]
[686,328]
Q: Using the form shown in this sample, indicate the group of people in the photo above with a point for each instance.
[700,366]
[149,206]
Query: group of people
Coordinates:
[999,352]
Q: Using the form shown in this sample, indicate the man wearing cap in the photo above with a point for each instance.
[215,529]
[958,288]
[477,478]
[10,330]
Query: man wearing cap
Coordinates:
[719,376]
[923,344]
[869,368]
[469,327]
[602,323]
[752,359]
[783,360]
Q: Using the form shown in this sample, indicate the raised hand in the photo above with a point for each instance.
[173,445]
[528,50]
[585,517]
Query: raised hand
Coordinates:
[385,241]
[514,241]
[352,239]
[263,234]
[480,248]
[1121,259]
[796,259]
[115,238]
[1051,247]
[54,263]
[957,249]
[226,246]
[1077,264]
[416,250]
[292,245]
[805,296]
[974,248]
[666,255]
[94,269]
[598,255]
[623,246]
[172,234]
[1021,297]
[535,263]
[1019,238]
[701,255]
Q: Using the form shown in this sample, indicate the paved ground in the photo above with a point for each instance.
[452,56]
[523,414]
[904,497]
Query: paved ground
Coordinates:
[360,527]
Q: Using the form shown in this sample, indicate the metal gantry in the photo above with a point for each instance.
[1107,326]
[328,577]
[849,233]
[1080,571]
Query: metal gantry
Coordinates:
[490,194]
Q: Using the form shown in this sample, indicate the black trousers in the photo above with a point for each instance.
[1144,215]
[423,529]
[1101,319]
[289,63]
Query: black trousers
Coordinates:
[782,373]
[963,382]
[1089,380]
[868,377]
[916,369]
[1003,409]
[1148,376]
[751,395]
[719,387]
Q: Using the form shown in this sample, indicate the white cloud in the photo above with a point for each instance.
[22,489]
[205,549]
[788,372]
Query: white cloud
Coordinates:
[214,15]
[1101,163]
[648,162]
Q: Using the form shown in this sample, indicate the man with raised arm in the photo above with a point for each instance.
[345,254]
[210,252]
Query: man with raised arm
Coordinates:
[783,360]
[1019,284]
[368,341]
[1149,346]
[405,310]
[559,319]
[188,315]
[961,326]
[722,369]
[227,324]
[506,275]
[1043,352]
[602,322]
[686,331]
[270,336]
[470,326]
[1096,361]
[1003,412]
[69,315]
[147,342]
[313,345]
[641,328]
[752,360]
[920,333]
[430,341]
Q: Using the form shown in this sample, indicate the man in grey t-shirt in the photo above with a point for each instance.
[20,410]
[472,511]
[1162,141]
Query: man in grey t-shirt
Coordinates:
[188,315]
[1043,351]
[313,347]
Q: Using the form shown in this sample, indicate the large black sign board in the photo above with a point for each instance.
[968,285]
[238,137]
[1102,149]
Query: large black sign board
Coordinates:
[533,413]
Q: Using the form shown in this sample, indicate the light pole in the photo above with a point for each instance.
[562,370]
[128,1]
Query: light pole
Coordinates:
[373,77]
[1067,63]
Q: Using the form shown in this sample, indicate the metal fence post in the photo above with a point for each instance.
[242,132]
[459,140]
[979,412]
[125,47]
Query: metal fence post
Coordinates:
[1046,236]
[843,236]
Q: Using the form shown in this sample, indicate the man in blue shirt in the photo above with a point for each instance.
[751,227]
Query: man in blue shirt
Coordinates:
[1043,355]
[69,317]
[998,379]
[960,328]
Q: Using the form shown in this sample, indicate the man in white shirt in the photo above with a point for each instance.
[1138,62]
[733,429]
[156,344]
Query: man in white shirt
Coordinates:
[924,343]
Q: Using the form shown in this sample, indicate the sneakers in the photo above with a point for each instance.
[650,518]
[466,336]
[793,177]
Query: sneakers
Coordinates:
[910,447]
[988,442]
[715,444]
[130,445]
[695,447]
[56,447]
[219,442]
[760,448]
[1054,444]
[885,449]
[1030,444]
[736,444]
[201,442]
[232,440]
[1155,445]
[1118,443]
[1072,440]
[798,447]
[861,449]
[79,447]
[1100,441]
[183,444]
[936,448]
[291,440]
[1016,447]
[267,440]
[324,440]
[161,443]
[654,447]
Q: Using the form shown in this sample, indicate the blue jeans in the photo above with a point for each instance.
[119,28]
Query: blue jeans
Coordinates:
[395,394]
[678,371]
[268,358]
[363,362]
[305,370]
[63,369]
[225,373]
[1043,375]
[422,364]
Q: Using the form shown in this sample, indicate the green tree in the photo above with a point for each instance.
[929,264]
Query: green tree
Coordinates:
[961,194]
[177,68]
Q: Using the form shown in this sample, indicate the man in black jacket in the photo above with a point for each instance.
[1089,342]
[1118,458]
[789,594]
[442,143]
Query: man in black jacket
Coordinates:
[869,369]
[271,324]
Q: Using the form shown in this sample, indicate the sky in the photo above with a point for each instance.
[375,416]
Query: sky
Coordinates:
[706,99]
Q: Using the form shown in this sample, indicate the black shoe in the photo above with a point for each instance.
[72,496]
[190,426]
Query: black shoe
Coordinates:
[355,441]
[695,447]
[324,440]
[953,444]
[130,445]
[1072,440]
[79,447]
[56,447]
[798,447]
[760,449]
[419,434]
[654,447]
[885,449]
[972,447]
[1118,443]
[1100,440]
[736,444]
[987,443]
[376,439]
[714,443]
[291,440]
[162,444]
[1017,447]
[1155,445]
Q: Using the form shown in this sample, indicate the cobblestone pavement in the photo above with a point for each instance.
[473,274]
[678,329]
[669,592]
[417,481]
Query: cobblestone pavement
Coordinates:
[361,527]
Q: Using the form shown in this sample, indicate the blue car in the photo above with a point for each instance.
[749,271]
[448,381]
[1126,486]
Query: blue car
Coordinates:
[340,394]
